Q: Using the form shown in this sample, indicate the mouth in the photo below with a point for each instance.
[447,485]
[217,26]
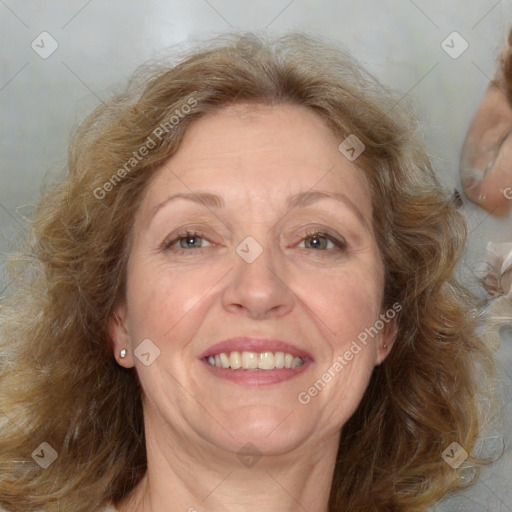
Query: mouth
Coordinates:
[254,361]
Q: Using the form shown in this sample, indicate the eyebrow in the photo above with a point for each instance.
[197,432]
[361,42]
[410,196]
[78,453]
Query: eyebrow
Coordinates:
[299,200]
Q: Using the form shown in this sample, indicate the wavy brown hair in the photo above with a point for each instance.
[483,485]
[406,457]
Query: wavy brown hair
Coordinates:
[59,381]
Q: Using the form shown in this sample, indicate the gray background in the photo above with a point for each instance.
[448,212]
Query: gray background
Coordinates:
[102,42]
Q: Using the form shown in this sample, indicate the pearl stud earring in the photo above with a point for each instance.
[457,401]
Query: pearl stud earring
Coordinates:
[122,354]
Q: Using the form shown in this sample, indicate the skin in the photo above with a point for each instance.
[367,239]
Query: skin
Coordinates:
[486,162]
[318,299]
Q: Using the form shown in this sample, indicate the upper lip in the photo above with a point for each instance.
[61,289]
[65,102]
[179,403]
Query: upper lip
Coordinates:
[251,344]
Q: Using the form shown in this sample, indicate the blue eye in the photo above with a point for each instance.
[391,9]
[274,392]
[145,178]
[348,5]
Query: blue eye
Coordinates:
[187,240]
[322,242]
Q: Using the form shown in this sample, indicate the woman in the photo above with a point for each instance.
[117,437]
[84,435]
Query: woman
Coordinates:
[241,297]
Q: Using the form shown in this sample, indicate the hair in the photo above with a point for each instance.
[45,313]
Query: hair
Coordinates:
[59,381]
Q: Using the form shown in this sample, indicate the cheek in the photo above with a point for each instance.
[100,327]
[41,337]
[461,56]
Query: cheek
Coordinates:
[159,299]
[346,301]
[348,387]
[336,390]
[346,306]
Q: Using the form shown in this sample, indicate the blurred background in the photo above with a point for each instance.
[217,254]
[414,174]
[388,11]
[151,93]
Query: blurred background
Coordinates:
[59,59]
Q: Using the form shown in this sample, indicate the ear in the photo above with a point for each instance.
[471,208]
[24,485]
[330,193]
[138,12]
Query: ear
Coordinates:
[119,336]
[386,341]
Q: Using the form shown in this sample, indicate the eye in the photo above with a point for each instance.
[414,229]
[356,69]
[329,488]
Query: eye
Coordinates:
[185,241]
[322,242]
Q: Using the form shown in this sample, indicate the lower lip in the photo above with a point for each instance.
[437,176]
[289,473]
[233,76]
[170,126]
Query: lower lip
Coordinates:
[258,377]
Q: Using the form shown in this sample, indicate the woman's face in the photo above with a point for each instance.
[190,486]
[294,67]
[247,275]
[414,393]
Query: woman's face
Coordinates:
[257,235]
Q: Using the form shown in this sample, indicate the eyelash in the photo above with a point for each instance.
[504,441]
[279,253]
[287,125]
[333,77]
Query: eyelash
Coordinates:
[167,245]
[340,245]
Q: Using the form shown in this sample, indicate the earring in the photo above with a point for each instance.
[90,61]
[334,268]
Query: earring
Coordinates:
[385,345]
[122,354]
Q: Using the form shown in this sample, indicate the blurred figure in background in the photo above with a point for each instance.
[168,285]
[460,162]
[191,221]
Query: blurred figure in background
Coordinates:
[486,161]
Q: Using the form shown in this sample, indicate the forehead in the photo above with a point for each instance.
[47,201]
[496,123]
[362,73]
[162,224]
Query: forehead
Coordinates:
[254,152]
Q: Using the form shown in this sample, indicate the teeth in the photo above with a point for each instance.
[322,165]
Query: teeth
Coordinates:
[254,360]
[250,360]
[235,361]
[267,361]
[297,361]
[223,359]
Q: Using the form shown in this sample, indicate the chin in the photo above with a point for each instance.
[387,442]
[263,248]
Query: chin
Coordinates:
[272,430]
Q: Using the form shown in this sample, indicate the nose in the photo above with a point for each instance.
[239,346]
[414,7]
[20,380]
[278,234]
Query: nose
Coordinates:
[258,289]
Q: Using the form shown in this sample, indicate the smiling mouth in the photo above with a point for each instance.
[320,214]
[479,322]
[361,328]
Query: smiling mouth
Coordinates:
[255,360]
